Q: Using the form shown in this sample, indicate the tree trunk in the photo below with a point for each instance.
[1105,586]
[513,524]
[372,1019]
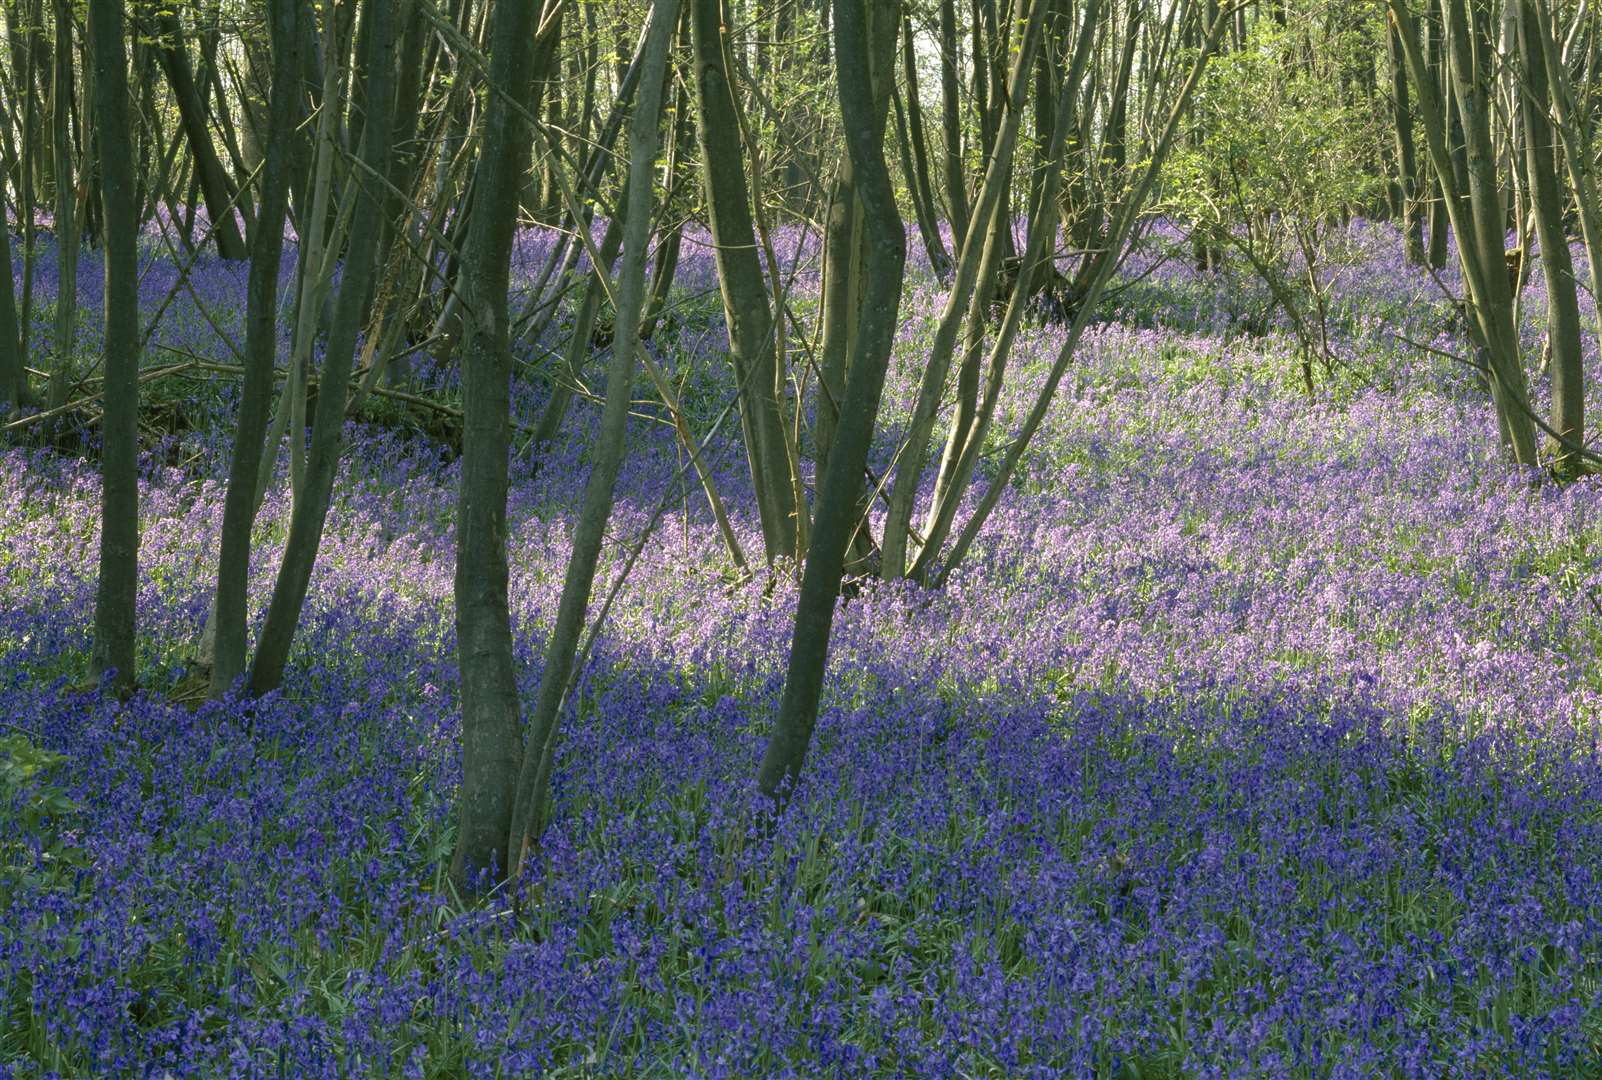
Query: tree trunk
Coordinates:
[214,184]
[955,174]
[13,380]
[117,590]
[311,510]
[918,177]
[534,776]
[33,159]
[1439,218]
[261,347]
[665,260]
[1576,136]
[922,210]
[858,58]
[740,279]
[1406,157]
[66,328]
[490,732]
[1547,203]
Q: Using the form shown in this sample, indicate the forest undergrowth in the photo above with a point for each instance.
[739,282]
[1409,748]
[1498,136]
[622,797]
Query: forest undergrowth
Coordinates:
[1258,736]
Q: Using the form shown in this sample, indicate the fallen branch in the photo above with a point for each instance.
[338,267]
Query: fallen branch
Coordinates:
[80,402]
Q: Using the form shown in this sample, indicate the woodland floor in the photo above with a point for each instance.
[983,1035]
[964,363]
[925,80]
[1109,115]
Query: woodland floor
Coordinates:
[1258,737]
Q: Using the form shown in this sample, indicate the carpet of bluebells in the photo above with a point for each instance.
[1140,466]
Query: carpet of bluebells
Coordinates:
[1258,737]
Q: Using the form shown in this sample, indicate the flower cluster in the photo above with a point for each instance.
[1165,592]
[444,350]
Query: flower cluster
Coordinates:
[1257,737]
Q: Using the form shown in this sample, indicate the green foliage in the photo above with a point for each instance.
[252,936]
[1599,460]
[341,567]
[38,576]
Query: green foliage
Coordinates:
[1284,152]
[31,809]
[1276,137]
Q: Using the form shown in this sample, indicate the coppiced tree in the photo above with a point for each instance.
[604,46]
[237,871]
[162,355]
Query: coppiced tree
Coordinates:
[746,301]
[261,350]
[356,280]
[1474,199]
[1547,206]
[864,64]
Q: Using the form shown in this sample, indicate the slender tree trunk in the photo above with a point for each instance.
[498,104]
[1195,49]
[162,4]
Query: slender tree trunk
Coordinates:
[922,210]
[404,158]
[665,260]
[22,30]
[1406,158]
[261,347]
[951,122]
[33,158]
[841,300]
[490,730]
[918,175]
[13,380]
[1563,308]
[86,195]
[1576,136]
[534,776]
[214,185]
[119,514]
[311,510]
[1439,223]
[967,279]
[318,240]
[740,278]
[66,328]
[859,59]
